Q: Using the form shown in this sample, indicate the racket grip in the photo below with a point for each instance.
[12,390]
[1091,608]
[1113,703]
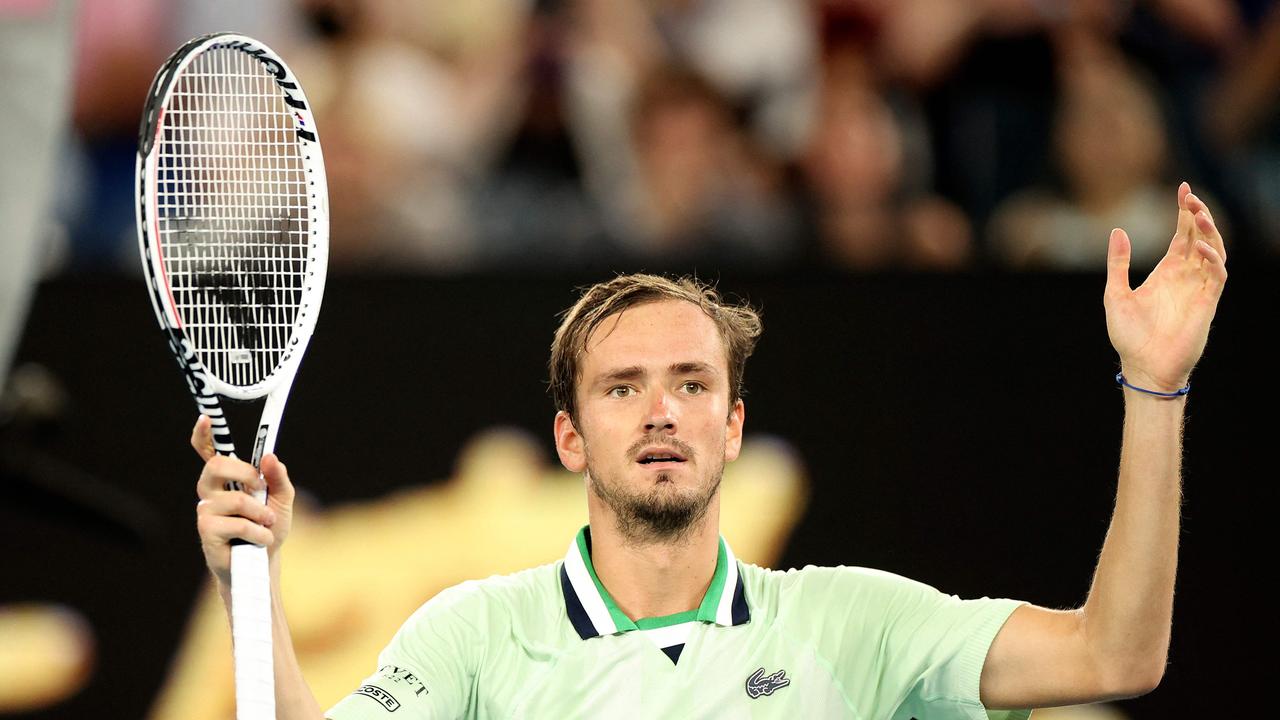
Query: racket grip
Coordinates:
[251,633]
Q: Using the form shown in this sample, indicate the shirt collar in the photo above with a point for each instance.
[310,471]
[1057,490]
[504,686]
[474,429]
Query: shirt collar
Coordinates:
[593,613]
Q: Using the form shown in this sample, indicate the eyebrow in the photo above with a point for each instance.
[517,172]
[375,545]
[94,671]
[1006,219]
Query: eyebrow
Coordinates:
[692,368]
[634,372]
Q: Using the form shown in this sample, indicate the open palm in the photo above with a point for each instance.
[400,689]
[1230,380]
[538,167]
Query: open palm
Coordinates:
[1160,328]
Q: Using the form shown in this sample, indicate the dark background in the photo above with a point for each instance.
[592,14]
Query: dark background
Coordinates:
[962,430]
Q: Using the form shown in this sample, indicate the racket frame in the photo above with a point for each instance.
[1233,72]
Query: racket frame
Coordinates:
[203,384]
[250,582]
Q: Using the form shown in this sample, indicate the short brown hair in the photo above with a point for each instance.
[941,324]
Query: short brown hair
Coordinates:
[739,326]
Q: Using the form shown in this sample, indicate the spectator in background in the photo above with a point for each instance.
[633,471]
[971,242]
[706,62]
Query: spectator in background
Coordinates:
[708,95]
[760,55]
[702,191]
[120,45]
[865,184]
[983,72]
[544,133]
[413,101]
[116,56]
[532,210]
[1243,120]
[1110,147]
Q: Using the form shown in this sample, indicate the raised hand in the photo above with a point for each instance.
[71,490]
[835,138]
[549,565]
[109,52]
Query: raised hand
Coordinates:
[1160,328]
[224,515]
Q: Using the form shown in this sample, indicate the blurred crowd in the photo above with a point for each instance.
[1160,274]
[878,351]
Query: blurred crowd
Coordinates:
[859,135]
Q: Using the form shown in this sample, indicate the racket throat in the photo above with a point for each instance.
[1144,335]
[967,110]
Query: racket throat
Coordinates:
[260,444]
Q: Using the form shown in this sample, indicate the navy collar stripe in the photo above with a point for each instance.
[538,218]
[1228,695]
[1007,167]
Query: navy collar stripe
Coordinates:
[741,613]
[593,614]
[577,615]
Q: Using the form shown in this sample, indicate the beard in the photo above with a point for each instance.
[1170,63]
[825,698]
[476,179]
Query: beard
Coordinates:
[661,514]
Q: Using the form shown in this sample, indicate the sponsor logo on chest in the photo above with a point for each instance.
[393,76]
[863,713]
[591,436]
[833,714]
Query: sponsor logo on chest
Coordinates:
[761,684]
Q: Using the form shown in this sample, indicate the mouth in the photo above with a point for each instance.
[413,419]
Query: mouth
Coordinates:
[660,458]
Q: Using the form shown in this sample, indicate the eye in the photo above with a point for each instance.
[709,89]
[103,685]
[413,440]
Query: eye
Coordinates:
[693,387]
[621,391]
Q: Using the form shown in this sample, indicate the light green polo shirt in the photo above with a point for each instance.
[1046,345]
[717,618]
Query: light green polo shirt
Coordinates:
[549,642]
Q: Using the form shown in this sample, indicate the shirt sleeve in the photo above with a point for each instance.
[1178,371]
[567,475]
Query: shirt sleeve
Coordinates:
[925,649]
[943,642]
[427,670]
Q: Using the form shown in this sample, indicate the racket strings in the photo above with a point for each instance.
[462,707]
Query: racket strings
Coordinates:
[233,220]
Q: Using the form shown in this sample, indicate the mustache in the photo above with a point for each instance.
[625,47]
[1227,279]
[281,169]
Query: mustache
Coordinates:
[661,441]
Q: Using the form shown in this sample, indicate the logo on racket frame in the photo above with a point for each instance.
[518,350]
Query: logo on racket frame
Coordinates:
[278,72]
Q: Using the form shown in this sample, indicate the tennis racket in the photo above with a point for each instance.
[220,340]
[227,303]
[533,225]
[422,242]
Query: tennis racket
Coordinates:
[233,229]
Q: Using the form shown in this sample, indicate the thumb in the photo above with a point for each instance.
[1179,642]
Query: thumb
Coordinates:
[1118,249]
[277,477]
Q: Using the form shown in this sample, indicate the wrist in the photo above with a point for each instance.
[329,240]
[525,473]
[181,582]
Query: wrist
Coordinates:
[273,569]
[224,591]
[1153,382]
[1140,391]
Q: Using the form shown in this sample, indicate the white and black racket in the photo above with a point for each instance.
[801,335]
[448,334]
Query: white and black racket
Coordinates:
[233,227]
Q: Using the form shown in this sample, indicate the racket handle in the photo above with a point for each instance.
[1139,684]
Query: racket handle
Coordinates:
[251,633]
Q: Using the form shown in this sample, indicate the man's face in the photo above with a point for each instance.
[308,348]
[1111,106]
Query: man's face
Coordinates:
[654,426]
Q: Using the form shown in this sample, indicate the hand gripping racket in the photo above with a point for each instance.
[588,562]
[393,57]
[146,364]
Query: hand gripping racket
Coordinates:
[233,228]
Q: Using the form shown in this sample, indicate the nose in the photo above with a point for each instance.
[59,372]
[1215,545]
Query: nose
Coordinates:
[659,416]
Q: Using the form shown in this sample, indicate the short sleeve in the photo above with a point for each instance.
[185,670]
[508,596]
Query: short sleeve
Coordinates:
[940,642]
[918,652]
[428,668]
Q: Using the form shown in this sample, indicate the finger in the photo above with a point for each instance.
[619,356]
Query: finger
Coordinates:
[277,477]
[1118,250]
[219,530]
[1181,244]
[221,471]
[1206,225]
[236,504]
[1194,206]
[1214,264]
[202,437]
[1208,232]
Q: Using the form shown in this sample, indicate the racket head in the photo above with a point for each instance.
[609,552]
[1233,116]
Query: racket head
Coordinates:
[232,213]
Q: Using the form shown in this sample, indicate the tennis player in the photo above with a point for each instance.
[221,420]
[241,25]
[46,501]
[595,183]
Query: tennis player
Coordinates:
[650,615]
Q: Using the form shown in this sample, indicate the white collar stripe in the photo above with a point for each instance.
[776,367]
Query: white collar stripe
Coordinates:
[591,612]
[724,610]
[585,588]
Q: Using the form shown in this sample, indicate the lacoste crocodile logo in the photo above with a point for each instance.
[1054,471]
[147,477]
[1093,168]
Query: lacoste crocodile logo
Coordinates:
[760,684]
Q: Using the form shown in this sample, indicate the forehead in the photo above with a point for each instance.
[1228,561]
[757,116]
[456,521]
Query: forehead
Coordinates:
[658,333]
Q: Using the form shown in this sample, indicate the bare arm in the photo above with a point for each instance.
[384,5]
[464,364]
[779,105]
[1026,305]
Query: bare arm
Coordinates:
[1117,644]
[224,515]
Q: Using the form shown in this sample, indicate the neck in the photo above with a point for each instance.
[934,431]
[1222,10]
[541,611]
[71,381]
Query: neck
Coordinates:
[653,579]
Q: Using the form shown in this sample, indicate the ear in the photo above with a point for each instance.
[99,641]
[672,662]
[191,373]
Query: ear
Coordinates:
[569,444]
[733,431]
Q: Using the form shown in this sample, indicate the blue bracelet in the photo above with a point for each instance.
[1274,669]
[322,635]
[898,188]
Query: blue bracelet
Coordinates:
[1177,393]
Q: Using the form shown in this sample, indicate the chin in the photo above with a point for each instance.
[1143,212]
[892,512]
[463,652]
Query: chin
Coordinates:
[668,478]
